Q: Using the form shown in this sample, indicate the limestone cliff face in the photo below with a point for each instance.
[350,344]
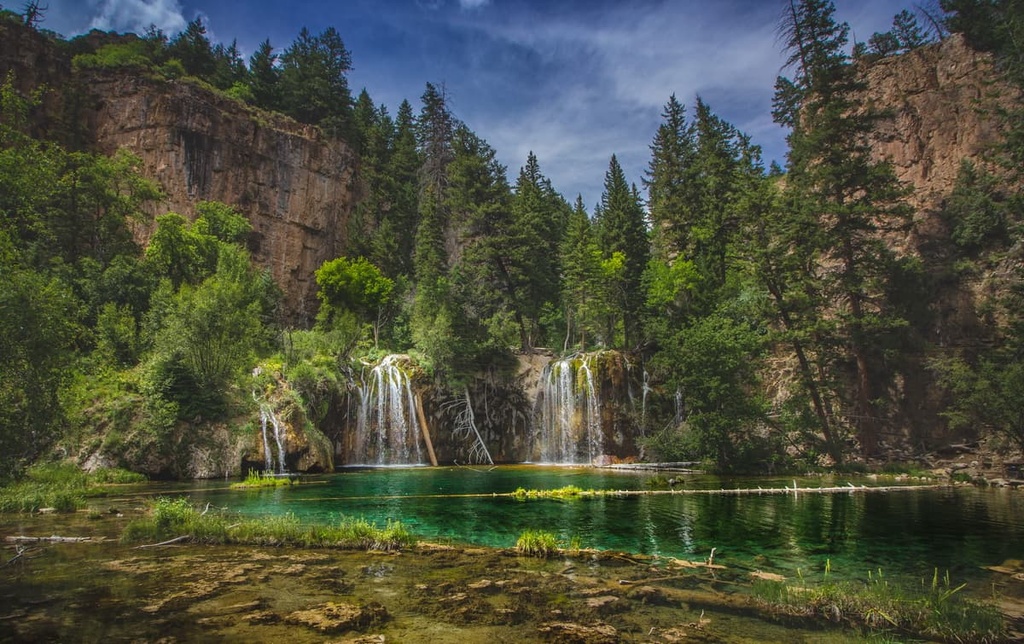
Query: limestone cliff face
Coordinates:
[294,185]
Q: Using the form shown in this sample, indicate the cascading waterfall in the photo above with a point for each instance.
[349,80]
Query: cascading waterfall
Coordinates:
[570,413]
[387,430]
[267,416]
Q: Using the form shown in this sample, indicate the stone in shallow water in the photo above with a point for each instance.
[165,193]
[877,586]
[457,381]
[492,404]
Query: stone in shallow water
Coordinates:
[333,617]
[605,604]
[571,633]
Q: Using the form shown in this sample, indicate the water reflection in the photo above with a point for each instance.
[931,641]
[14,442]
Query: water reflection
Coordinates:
[958,529]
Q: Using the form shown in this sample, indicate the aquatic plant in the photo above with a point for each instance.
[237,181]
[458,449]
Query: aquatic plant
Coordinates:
[537,543]
[256,479]
[567,492]
[938,610]
[174,519]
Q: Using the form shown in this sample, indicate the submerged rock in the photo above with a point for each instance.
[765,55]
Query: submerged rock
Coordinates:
[333,617]
[571,633]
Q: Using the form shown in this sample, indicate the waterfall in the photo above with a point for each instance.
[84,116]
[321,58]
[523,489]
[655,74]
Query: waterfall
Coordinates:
[387,430]
[570,429]
[267,415]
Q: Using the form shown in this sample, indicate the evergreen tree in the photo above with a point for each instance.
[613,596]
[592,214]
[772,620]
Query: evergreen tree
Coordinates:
[403,168]
[265,77]
[314,82]
[229,68]
[581,270]
[435,130]
[832,175]
[669,181]
[623,229]
[193,49]
[538,224]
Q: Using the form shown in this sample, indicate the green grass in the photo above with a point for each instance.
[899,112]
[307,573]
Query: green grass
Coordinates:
[62,487]
[567,492]
[537,543]
[172,518]
[262,479]
[116,476]
[938,610]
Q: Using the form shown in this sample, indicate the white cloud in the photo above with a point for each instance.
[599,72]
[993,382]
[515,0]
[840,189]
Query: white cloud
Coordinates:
[473,4]
[138,15]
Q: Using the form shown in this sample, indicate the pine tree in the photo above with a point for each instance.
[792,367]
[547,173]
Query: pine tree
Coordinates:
[314,81]
[623,229]
[581,266]
[538,224]
[832,176]
[668,181]
[403,168]
[193,49]
[265,77]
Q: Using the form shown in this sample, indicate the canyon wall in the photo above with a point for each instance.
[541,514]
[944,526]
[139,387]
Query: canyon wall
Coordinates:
[293,184]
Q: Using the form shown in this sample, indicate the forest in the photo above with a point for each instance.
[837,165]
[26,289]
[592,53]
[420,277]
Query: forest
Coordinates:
[779,320]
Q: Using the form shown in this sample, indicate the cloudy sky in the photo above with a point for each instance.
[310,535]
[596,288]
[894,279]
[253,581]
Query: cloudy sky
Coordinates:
[573,80]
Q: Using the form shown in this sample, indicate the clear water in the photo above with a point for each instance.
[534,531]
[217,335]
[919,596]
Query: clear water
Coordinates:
[912,532]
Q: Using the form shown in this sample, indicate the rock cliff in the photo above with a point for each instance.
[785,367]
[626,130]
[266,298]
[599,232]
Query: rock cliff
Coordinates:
[294,184]
[940,104]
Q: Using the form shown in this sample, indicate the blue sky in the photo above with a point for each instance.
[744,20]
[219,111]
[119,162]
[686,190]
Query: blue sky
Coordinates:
[573,81]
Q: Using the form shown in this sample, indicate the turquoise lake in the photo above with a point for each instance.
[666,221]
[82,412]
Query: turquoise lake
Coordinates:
[901,532]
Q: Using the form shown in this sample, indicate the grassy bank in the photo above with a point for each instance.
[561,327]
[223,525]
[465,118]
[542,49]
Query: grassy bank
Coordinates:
[937,610]
[60,487]
[178,519]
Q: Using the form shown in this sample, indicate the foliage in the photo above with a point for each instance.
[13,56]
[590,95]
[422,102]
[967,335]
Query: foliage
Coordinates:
[256,479]
[354,285]
[314,86]
[712,366]
[172,518]
[60,486]
[567,492]
[936,610]
[537,543]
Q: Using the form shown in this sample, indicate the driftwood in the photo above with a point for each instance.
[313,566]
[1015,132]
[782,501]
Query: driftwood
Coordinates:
[51,539]
[165,543]
[21,553]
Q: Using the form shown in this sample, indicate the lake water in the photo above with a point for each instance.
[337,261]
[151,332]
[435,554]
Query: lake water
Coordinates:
[905,532]
[111,591]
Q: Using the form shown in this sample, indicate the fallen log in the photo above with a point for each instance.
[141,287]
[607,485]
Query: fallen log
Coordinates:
[50,539]
[164,543]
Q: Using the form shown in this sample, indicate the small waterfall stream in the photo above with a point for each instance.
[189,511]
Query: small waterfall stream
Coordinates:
[267,416]
[569,429]
[387,430]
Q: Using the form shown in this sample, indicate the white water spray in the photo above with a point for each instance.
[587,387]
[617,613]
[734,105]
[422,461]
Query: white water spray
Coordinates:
[570,413]
[387,430]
